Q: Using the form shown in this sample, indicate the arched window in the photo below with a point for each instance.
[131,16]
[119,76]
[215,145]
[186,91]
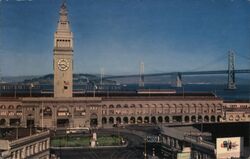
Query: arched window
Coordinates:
[62,111]
[2,107]
[47,111]
[111,106]
[11,107]
[19,107]
[132,106]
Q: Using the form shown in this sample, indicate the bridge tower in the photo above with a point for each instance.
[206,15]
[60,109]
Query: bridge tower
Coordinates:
[0,73]
[141,80]
[231,71]
[178,80]
[101,76]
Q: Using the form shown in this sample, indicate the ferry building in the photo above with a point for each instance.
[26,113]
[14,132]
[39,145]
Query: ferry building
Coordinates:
[64,110]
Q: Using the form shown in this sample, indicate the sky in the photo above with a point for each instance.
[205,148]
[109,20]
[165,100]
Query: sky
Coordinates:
[117,35]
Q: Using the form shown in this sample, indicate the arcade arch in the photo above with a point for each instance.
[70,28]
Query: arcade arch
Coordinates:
[132,120]
[104,120]
[206,118]
[146,119]
[118,120]
[139,120]
[2,122]
[111,120]
[153,120]
[160,120]
[167,120]
[212,118]
[193,118]
[125,120]
[186,119]
[219,118]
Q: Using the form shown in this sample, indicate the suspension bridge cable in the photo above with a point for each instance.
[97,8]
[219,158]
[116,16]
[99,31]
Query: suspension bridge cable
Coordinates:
[219,59]
[243,57]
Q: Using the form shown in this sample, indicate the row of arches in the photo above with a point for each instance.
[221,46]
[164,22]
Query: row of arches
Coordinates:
[161,105]
[10,122]
[63,111]
[159,119]
[11,107]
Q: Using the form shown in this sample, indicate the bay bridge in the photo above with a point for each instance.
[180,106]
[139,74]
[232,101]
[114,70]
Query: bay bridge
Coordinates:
[231,71]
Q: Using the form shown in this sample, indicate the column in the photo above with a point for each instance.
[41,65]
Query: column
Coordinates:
[7,122]
[23,153]
[37,115]
[168,140]
[172,142]
[30,150]
[71,120]
[54,116]
[27,151]
[48,145]
[13,155]
[35,148]
[170,119]
[18,154]
[44,145]
[39,146]
[177,144]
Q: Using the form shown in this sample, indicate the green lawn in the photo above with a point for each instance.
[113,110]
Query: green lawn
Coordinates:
[72,141]
[109,141]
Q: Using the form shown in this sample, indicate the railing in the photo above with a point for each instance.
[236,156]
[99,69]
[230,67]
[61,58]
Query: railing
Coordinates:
[201,143]
[28,138]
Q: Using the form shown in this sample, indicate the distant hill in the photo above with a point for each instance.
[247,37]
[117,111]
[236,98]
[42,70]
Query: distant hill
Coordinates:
[48,79]
[15,79]
[83,78]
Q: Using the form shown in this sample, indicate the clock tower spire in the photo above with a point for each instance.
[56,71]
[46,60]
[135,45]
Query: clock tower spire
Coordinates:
[63,56]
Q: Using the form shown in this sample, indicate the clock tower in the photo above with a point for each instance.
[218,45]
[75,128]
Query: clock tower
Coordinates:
[63,56]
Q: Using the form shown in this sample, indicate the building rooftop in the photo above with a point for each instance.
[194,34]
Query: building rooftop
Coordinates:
[98,96]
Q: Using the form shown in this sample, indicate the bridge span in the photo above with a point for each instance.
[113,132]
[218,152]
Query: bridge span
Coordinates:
[188,73]
[178,76]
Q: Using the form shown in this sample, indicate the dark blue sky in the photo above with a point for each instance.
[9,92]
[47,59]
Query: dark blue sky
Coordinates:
[167,35]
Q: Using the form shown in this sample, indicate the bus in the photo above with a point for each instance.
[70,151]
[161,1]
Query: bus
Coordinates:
[77,130]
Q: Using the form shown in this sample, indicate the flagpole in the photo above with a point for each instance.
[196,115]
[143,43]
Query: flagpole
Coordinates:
[31,86]
[42,115]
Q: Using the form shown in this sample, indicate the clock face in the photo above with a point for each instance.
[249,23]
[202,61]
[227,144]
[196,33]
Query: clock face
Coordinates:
[63,64]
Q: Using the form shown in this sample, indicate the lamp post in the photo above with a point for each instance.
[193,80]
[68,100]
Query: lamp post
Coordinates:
[30,126]
[15,91]
[183,92]
[94,89]
[17,125]
[145,149]
[200,121]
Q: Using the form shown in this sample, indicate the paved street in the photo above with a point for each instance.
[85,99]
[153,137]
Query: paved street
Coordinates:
[124,153]
[134,150]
